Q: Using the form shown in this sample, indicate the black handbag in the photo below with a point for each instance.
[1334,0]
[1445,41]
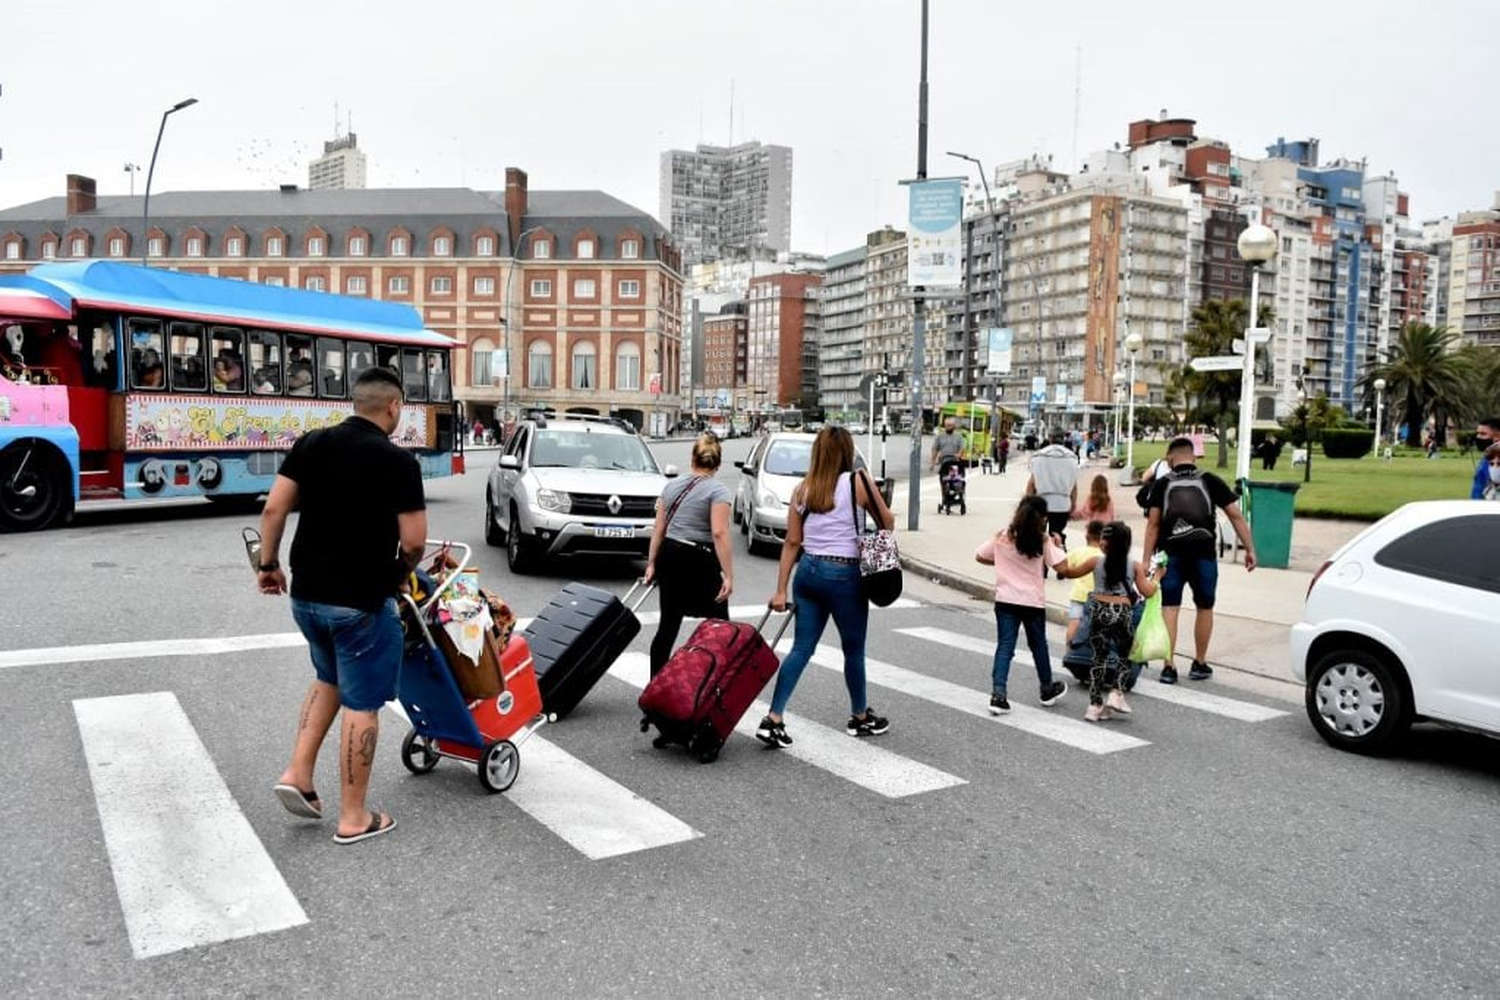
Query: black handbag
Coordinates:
[879,561]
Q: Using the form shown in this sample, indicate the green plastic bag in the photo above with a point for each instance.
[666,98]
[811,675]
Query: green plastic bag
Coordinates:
[1151,639]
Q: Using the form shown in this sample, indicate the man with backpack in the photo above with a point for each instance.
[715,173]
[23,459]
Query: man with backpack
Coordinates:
[1181,520]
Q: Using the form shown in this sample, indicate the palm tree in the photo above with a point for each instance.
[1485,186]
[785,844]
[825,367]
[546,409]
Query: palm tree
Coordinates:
[1216,324]
[1422,373]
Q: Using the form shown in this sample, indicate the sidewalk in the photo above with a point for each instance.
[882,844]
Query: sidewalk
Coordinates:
[1254,610]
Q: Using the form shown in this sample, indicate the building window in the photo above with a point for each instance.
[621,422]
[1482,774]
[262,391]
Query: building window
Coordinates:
[12,250]
[315,246]
[630,249]
[442,246]
[539,365]
[79,247]
[585,366]
[541,288]
[357,285]
[630,289]
[315,284]
[234,246]
[399,284]
[482,363]
[584,288]
[628,367]
[116,246]
[541,248]
[399,246]
[273,246]
[275,281]
[484,286]
[155,246]
[441,286]
[357,246]
[585,249]
[484,246]
[195,246]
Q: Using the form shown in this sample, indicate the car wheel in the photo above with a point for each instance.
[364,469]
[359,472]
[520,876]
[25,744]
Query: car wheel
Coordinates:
[1356,700]
[518,548]
[492,533]
[736,515]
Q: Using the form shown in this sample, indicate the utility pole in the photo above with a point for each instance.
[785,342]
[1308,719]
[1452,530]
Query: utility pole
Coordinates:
[919,324]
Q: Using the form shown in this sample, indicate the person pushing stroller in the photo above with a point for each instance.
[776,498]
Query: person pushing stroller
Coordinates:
[949,458]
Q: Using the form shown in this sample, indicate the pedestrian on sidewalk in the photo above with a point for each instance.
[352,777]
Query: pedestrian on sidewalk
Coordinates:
[1078,597]
[822,543]
[1118,582]
[1017,553]
[1486,433]
[1098,505]
[1002,452]
[1054,478]
[691,557]
[948,443]
[362,528]
[1181,521]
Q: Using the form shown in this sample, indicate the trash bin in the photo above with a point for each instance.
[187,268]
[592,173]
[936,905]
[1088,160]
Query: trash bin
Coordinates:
[1268,506]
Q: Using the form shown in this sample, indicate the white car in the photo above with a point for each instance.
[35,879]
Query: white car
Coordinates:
[777,463]
[572,485]
[1399,626]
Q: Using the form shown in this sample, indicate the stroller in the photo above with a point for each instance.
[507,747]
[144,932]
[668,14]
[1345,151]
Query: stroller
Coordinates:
[952,482]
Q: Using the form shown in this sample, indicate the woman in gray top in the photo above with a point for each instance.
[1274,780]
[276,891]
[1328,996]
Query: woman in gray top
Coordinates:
[690,557]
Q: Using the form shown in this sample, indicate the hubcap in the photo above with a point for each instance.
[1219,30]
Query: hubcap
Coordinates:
[502,764]
[1351,700]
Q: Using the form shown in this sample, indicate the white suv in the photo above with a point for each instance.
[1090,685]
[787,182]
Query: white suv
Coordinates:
[572,485]
[1400,625]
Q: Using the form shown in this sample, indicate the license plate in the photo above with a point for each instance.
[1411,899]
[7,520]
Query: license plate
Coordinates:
[614,532]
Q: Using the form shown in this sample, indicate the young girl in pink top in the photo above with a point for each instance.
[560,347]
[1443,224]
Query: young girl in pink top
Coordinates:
[1098,505]
[1017,553]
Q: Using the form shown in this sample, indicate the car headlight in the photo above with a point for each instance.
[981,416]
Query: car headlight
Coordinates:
[770,500]
[554,500]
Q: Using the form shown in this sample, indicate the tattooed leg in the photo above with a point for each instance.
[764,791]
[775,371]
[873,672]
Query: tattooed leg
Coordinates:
[357,753]
[318,710]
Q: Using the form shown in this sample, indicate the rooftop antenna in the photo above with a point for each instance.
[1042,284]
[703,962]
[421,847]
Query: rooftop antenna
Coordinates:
[731,111]
[335,119]
[1077,95]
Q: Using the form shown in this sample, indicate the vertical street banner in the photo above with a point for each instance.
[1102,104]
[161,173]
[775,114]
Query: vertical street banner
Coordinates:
[934,248]
[1038,392]
[999,339]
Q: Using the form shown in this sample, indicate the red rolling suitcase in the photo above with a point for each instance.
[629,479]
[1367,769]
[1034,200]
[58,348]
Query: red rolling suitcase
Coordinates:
[707,685]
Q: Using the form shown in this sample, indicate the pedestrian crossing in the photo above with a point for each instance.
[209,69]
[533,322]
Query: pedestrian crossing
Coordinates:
[195,829]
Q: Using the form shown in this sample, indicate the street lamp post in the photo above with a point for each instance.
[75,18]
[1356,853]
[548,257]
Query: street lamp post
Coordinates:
[132,169]
[1257,244]
[1119,382]
[510,315]
[989,204]
[151,170]
[1379,412]
[1133,342]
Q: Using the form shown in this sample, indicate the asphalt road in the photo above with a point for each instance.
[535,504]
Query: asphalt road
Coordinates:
[1208,848]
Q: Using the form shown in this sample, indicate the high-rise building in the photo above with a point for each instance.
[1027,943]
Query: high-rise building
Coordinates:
[781,338]
[1474,285]
[842,338]
[342,165]
[728,202]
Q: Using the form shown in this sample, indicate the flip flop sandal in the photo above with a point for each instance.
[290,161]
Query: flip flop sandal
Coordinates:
[373,830]
[299,803]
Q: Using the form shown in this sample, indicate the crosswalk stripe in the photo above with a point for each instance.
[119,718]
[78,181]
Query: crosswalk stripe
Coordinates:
[188,867]
[1036,721]
[857,761]
[1231,708]
[596,815]
[750,612]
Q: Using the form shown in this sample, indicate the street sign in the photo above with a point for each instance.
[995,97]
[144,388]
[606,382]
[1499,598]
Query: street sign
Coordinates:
[1222,363]
[1260,334]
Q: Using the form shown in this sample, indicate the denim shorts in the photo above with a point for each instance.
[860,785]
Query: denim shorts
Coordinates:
[358,652]
[1200,573]
[1076,610]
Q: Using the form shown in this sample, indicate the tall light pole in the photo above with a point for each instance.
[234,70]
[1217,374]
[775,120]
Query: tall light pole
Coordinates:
[989,204]
[1379,412]
[919,314]
[1119,381]
[150,171]
[1133,342]
[510,315]
[132,169]
[1257,244]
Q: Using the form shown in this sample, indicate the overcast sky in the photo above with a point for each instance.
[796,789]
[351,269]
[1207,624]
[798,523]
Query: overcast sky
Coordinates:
[586,93]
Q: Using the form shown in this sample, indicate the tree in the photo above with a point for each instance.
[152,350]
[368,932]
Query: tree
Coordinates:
[1216,324]
[1422,373]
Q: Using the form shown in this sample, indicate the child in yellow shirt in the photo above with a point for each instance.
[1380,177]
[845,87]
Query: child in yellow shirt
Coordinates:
[1078,599]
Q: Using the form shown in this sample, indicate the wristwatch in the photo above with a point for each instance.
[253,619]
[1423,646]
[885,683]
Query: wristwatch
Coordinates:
[268,567]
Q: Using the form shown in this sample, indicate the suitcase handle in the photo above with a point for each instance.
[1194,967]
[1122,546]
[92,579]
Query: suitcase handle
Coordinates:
[645,588]
[760,626]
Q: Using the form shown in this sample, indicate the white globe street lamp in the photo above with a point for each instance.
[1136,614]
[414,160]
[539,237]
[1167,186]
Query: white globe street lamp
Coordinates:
[1257,244]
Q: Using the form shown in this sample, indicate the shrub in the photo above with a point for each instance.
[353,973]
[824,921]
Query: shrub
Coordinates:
[1344,443]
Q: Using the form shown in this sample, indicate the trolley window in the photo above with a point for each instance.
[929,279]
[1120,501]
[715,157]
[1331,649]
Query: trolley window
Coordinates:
[229,358]
[189,369]
[265,362]
[331,368]
[413,374]
[439,390]
[389,357]
[299,366]
[147,349]
[102,368]
[361,357]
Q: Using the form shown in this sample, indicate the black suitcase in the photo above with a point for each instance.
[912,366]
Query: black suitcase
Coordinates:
[576,638]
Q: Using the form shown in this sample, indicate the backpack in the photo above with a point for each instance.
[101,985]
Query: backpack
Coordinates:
[1187,511]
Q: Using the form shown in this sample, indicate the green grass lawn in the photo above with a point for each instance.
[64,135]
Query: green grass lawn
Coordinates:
[1361,489]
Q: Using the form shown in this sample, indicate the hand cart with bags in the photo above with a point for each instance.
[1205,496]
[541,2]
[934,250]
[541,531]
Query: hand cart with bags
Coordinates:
[478,727]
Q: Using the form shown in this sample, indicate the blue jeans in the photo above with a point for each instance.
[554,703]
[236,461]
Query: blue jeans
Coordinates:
[822,589]
[358,652]
[1009,620]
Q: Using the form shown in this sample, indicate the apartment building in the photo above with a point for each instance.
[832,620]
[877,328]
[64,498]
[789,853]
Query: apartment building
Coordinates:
[342,165]
[841,340]
[728,202]
[1474,285]
[781,341]
[583,290]
[725,353]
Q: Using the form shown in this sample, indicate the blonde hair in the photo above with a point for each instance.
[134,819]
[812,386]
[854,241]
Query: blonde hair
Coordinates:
[707,455]
[1098,495]
[832,456]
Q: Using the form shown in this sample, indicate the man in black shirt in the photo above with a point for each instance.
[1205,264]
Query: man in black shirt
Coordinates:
[362,525]
[1181,521]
